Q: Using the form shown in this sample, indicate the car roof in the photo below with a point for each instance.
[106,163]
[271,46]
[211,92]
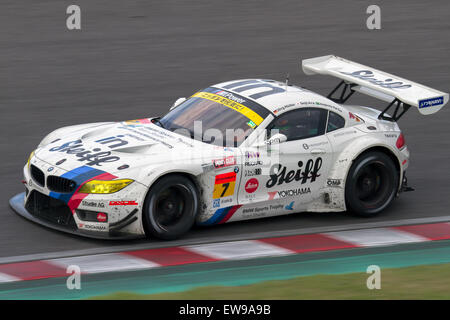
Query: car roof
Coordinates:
[276,96]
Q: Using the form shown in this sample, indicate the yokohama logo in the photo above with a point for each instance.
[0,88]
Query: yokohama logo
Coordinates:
[123,203]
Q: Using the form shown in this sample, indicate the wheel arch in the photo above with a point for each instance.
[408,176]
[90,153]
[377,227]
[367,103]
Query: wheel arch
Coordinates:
[189,175]
[343,163]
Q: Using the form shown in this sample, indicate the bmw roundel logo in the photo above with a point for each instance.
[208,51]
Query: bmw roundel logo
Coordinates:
[236,169]
[50,169]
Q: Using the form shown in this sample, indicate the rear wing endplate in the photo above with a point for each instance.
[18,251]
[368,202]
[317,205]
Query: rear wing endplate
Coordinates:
[400,93]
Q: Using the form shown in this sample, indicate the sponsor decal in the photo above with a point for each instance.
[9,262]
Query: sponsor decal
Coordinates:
[253,163]
[245,85]
[280,175]
[333,182]
[216,203]
[328,105]
[317,144]
[252,172]
[390,135]
[247,112]
[272,194]
[113,142]
[284,108]
[290,206]
[236,170]
[225,162]
[251,124]
[252,155]
[368,76]
[316,103]
[122,167]
[354,117]
[94,157]
[230,96]
[92,227]
[260,211]
[225,201]
[102,217]
[293,192]
[152,134]
[207,167]
[224,185]
[138,121]
[431,102]
[251,185]
[94,204]
[123,203]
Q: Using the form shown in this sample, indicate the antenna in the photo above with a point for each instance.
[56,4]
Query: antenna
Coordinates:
[287,80]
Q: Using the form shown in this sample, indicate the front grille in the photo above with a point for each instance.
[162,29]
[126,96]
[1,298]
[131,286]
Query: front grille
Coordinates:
[61,185]
[50,209]
[37,175]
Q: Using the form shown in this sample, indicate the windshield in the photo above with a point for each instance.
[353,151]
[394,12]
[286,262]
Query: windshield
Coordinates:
[215,116]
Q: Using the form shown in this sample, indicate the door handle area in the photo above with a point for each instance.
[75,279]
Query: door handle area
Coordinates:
[318,151]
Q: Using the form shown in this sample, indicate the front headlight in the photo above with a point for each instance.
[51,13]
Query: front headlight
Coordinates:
[104,186]
[29,159]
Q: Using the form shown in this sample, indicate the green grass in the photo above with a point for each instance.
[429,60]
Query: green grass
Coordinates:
[420,282]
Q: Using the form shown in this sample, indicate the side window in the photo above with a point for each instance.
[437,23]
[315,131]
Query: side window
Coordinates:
[335,122]
[300,124]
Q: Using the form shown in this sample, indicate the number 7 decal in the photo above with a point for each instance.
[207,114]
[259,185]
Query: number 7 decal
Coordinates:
[224,185]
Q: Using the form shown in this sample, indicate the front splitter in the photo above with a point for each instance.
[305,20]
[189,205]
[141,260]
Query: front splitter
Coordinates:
[17,204]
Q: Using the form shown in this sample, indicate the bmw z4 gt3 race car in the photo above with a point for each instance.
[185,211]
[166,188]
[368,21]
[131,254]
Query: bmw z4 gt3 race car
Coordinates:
[237,150]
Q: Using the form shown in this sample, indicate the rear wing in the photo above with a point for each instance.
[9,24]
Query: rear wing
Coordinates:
[397,91]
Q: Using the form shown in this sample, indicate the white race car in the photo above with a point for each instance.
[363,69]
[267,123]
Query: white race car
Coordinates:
[237,150]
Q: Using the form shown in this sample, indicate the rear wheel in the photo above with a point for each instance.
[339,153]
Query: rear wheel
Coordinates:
[170,207]
[372,184]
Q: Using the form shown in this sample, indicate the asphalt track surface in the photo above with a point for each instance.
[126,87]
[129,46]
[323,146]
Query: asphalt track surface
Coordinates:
[132,59]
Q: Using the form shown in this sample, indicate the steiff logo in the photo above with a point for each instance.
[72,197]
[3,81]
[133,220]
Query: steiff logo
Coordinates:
[368,75]
[93,157]
[278,174]
[431,102]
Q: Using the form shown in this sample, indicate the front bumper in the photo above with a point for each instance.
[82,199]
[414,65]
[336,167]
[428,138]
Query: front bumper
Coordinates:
[17,203]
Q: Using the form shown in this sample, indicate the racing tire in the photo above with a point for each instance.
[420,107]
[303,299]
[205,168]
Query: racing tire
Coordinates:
[372,184]
[170,207]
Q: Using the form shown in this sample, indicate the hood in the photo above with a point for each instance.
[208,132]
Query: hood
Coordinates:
[118,146]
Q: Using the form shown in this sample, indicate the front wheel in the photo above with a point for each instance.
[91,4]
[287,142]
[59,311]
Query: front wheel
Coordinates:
[170,207]
[372,184]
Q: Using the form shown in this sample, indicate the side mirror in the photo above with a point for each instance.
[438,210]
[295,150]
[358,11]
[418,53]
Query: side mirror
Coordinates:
[177,103]
[276,139]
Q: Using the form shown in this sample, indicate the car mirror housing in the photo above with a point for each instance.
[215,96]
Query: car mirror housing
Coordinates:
[177,103]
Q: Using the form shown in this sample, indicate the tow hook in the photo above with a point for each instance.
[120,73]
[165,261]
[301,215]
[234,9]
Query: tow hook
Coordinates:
[405,187]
